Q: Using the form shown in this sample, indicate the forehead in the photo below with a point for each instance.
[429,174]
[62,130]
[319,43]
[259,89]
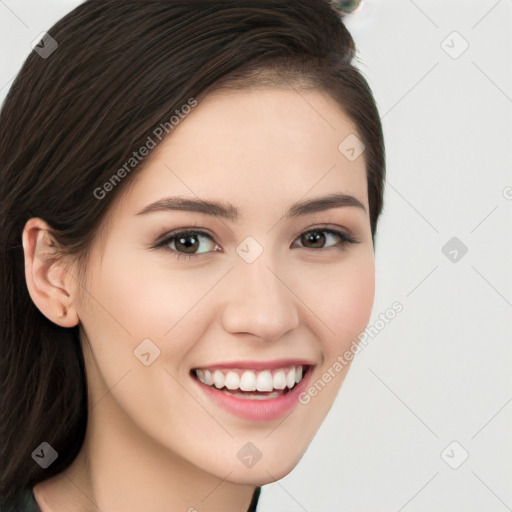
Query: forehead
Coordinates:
[254,148]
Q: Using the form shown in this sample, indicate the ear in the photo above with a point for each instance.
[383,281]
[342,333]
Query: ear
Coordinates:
[50,285]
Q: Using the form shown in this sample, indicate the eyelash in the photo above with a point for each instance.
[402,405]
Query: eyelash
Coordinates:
[345,240]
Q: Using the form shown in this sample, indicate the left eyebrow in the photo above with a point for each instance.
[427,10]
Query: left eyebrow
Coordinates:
[230,212]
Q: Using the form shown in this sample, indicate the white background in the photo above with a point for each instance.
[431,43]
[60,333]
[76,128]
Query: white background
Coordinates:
[441,370]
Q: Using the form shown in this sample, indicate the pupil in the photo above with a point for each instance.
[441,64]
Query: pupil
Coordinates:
[315,237]
[192,246]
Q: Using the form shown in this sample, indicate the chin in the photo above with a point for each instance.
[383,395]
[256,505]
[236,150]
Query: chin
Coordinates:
[265,471]
[264,476]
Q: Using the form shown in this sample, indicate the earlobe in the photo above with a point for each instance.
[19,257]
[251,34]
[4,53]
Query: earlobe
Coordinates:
[50,285]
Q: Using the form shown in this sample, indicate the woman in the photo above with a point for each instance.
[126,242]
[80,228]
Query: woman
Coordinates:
[190,193]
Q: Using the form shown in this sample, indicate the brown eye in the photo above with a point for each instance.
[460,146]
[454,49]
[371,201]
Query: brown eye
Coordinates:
[316,238]
[187,242]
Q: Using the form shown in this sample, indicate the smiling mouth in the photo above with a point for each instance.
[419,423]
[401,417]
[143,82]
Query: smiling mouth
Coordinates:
[252,384]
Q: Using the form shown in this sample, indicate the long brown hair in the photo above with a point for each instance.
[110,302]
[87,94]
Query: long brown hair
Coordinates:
[74,118]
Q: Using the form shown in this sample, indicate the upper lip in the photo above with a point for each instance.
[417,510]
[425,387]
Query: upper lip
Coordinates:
[259,365]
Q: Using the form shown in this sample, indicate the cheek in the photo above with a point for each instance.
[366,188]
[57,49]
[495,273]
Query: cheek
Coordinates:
[156,302]
[146,296]
[343,302]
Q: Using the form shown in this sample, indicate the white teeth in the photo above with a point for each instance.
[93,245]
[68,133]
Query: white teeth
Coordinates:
[264,381]
[248,380]
[290,378]
[232,380]
[208,379]
[279,380]
[218,379]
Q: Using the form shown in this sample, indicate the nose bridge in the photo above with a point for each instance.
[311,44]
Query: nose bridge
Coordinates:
[259,302]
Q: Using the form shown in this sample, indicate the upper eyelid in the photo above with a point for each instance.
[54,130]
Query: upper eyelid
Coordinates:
[326,227]
[174,233]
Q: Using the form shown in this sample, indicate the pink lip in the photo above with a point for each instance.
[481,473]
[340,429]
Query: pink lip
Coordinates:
[258,365]
[258,410]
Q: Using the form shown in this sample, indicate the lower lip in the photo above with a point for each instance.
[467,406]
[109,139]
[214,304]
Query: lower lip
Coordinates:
[254,409]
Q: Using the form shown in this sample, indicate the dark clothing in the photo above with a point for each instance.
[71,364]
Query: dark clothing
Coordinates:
[255,499]
[30,503]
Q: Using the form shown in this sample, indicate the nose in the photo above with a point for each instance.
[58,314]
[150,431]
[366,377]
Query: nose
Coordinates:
[259,301]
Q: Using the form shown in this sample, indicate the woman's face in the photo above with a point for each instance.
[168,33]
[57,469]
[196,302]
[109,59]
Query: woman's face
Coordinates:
[259,289]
